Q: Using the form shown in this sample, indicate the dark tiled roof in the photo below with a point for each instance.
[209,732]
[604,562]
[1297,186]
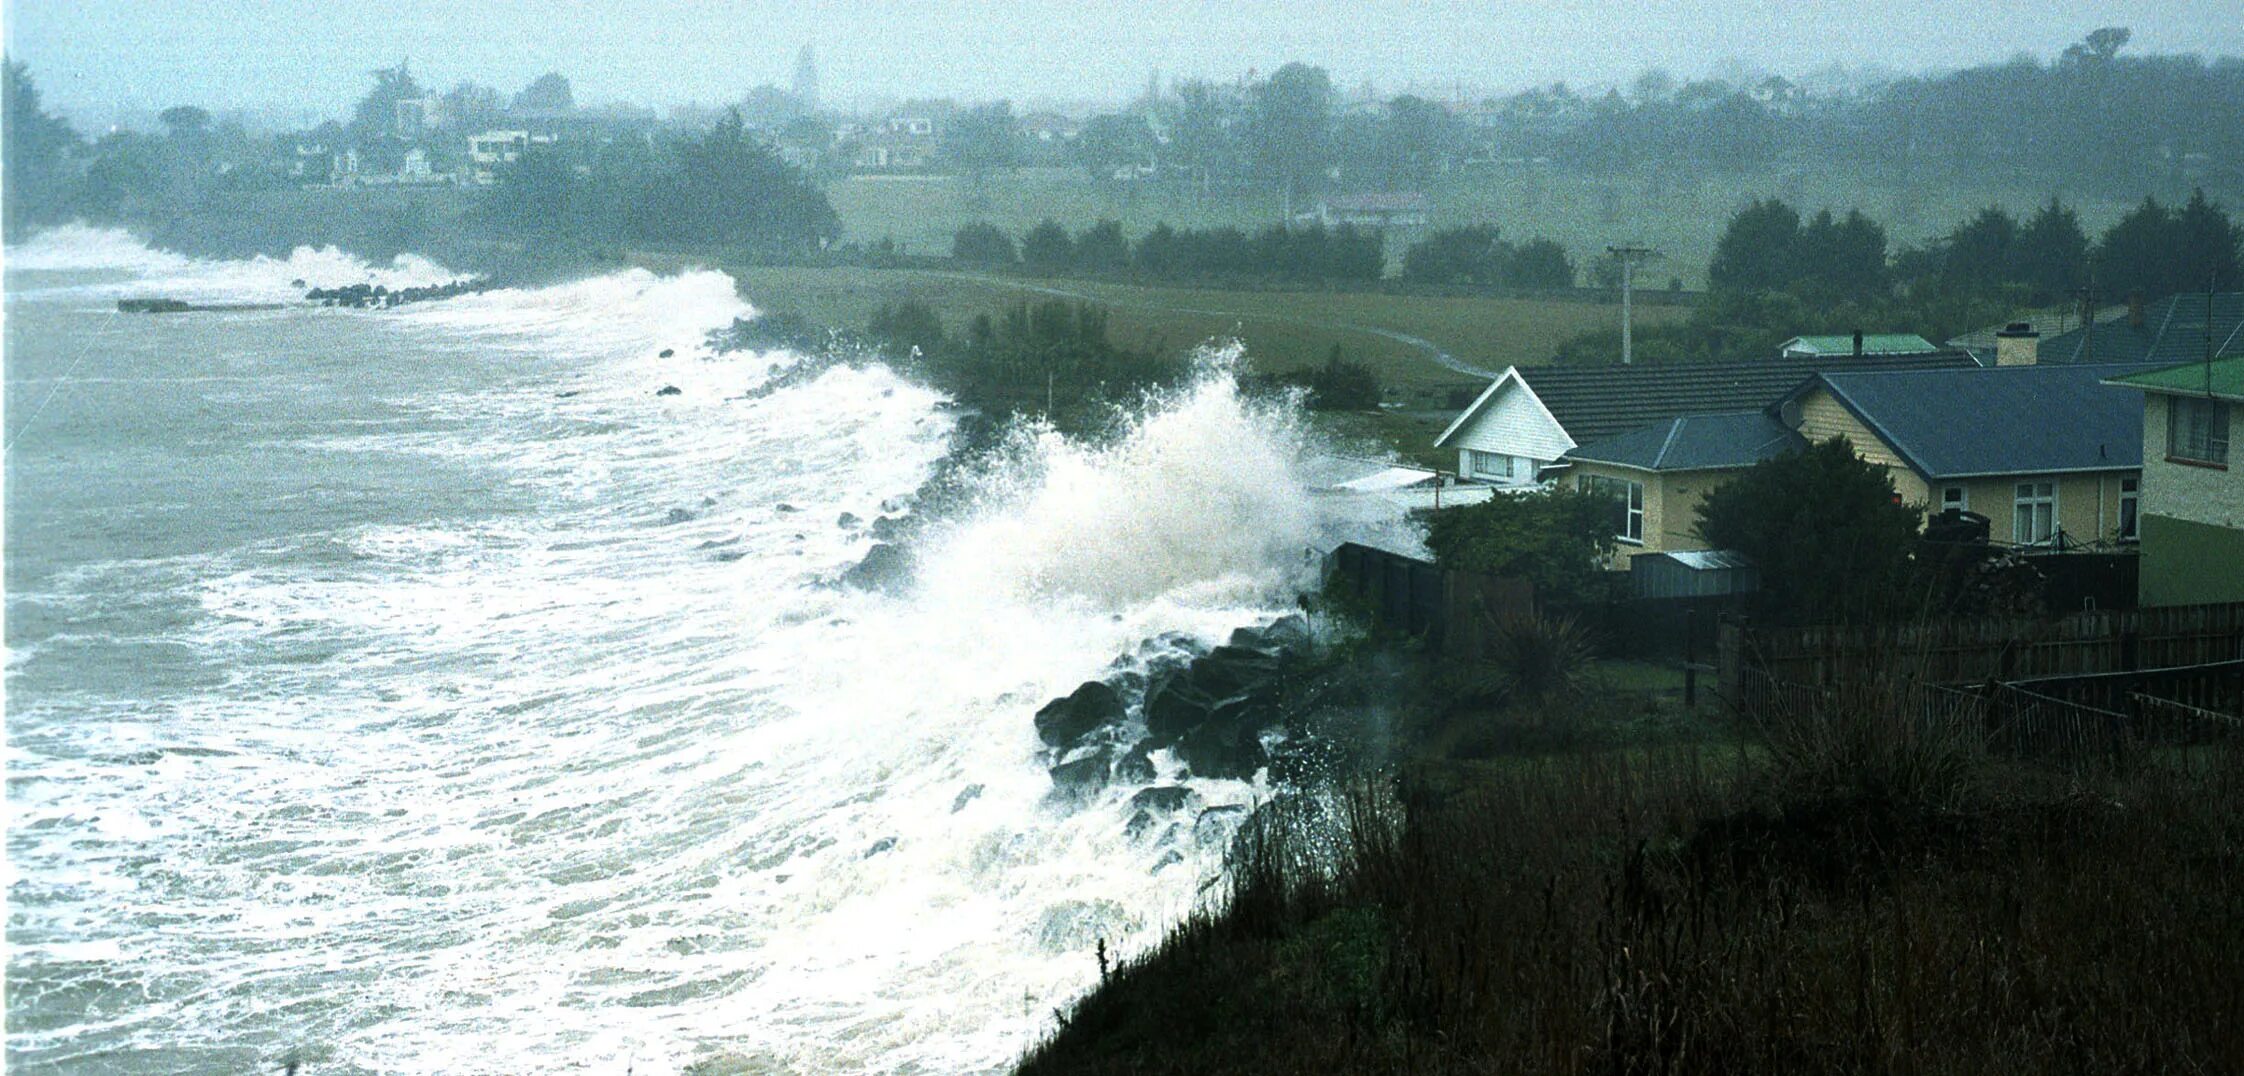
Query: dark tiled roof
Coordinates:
[1597,402]
[1695,442]
[2173,330]
[2000,421]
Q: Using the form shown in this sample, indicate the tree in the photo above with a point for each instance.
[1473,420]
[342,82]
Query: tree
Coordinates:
[1981,252]
[1047,249]
[1102,248]
[1341,385]
[2207,258]
[184,121]
[1411,139]
[1843,259]
[1112,142]
[470,107]
[1474,254]
[983,243]
[2136,253]
[1291,127]
[979,141]
[2052,252]
[1202,139]
[374,127]
[1830,535]
[1757,251]
[1541,265]
[549,92]
[1557,539]
[2099,47]
[34,148]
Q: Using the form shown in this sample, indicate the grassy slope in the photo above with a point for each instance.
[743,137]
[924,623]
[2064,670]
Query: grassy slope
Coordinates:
[1282,330]
[1714,907]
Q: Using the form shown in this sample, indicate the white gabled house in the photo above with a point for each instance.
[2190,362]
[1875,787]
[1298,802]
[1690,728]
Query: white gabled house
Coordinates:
[1506,437]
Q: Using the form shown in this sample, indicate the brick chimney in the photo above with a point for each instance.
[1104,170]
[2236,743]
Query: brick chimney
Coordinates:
[2017,345]
[2135,309]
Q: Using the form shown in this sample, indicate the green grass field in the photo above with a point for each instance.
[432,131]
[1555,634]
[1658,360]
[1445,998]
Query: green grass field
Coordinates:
[1680,216]
[1399,336]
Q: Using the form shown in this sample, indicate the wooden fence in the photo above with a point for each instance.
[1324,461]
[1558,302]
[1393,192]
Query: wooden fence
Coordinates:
[1453,611]
[2000,649]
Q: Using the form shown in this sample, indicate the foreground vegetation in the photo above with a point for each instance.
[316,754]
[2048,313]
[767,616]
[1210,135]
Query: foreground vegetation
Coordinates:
[1841,885]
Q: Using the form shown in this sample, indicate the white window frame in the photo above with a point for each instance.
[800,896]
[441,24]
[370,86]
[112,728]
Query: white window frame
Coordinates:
[1962,502]
[1631,496]
[2197,430]
[2130,508]
[1478,465]
[2026,496]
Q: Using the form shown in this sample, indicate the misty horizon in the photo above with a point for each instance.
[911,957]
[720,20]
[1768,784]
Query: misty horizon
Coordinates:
[110,63]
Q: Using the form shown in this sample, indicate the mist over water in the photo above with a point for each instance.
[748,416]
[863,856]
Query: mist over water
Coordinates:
[416,690]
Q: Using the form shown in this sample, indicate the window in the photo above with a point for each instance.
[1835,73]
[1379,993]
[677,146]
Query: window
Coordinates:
[1954,498]
[1628,503]
[1494,465]
[2035,517]
[2197,430]
[2129,491]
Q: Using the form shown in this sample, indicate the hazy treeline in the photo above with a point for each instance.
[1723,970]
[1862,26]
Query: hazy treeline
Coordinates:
[1776,274]
[721,188]
[1310,253]
[2090,120]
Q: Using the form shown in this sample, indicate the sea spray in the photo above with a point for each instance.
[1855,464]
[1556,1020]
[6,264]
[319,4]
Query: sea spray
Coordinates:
[475,709]
[1200,492]
[83,248]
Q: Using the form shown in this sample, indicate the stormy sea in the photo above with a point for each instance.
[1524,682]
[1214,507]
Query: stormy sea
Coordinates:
[425,689]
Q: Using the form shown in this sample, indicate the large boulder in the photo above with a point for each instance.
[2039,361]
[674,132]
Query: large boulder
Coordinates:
[1175,705]
[1287,634]
[886,567]
[1164,798]
[1224,751]
[1234,670]
[1080,779]
[1063,721]
[1135,767]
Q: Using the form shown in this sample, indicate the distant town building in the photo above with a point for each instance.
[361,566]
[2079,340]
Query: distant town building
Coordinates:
[490,151]
[1387,211]
[806,80]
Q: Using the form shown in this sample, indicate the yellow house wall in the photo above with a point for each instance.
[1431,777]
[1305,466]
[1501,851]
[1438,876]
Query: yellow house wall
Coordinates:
[1671,505]
[1822,418]
[2087,504]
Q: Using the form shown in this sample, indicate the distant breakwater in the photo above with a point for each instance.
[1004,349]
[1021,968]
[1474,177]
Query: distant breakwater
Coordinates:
[364,296]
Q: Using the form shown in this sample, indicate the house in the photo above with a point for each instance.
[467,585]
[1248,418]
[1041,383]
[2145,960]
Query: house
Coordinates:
[2051,454]
[1658,474]
[1407,209]
[2192,496]
[1858,344]
[490,151]
[2172,330]
[1529,417]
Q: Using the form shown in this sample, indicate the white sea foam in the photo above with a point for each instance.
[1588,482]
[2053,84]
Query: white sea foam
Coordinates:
[164,273]
[625,780]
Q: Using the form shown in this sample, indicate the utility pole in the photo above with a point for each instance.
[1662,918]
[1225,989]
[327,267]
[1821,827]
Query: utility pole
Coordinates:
[1628,256]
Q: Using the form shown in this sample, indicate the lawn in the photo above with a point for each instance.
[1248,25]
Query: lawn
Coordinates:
[1681,216]
[1399,336]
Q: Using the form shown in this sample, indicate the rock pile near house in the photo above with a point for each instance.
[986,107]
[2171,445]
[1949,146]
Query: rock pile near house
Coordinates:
[1220,712]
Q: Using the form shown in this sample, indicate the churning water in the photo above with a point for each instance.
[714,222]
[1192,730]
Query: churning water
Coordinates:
[416,690]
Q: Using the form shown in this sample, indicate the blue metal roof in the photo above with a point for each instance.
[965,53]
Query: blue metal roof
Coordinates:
[1695,442]
[2008,420]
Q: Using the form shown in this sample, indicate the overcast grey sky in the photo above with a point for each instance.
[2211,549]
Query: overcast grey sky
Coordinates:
[90,56]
